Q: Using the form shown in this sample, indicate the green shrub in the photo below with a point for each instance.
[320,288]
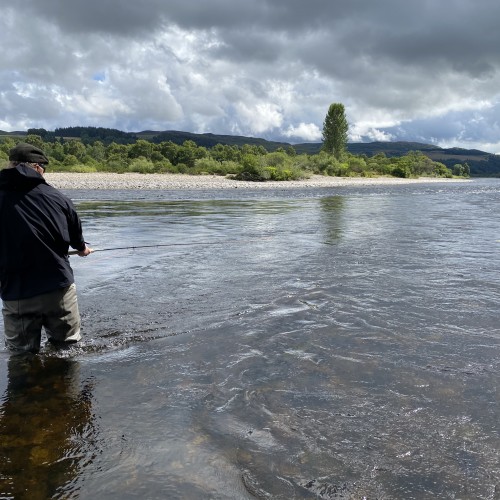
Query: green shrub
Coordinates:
[302,162]
[211,166]
[231,167]
[274,173]
[70,160]
[441,170]
[182,168]
[276,159]
[82,169]
[323,162]
[356,164]
[252,169]
[163,167]
[214,167]
[115,165]
[401,171]
[285,173]
[141,165]
[337,169]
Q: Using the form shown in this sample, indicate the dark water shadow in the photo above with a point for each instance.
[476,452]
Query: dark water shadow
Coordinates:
[48,433]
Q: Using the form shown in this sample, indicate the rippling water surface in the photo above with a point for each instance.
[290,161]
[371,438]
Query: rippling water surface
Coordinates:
[338,343]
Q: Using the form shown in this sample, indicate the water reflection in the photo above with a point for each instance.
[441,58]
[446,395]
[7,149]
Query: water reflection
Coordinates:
[47,429]
[182,209]
[331,217]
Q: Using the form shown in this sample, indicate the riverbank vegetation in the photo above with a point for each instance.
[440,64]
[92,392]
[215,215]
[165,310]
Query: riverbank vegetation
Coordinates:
[247,162]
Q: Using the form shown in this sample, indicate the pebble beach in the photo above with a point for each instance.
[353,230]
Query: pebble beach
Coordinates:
[105,180]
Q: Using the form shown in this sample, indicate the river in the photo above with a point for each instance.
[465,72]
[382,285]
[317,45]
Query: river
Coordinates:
[296,343]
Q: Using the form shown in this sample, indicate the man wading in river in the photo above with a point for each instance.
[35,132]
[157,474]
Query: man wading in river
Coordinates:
[37,226]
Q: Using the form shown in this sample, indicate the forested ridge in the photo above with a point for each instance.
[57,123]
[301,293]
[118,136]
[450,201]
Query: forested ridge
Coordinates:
[94,149]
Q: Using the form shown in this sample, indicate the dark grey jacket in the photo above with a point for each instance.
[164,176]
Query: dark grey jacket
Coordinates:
[37,226]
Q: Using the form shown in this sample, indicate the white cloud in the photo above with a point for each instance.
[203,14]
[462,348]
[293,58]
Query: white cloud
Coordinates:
[269,68]
[260,117]
[308,132]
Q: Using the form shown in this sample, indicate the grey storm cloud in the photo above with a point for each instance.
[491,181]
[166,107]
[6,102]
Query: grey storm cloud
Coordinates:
[413,70]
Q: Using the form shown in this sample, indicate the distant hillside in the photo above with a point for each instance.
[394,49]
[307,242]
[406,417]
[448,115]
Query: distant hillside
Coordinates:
[208,140]
[481,164]
[18,133]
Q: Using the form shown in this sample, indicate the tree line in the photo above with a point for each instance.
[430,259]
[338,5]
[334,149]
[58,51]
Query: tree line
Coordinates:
[246,162]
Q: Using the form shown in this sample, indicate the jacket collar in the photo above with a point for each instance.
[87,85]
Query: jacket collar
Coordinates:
[21,177]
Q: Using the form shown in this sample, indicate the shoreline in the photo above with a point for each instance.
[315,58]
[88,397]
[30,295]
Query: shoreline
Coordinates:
[111,181]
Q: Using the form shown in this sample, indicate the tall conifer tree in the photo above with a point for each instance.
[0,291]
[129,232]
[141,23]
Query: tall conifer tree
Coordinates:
[335,130]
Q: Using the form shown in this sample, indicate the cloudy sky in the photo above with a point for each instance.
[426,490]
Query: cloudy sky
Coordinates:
[416,70]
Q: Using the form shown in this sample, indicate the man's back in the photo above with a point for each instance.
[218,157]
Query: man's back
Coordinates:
[37,225]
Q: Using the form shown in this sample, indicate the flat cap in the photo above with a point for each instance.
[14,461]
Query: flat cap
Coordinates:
[28,153]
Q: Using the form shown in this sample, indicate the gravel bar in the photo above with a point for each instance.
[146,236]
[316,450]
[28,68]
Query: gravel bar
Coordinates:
[105,180]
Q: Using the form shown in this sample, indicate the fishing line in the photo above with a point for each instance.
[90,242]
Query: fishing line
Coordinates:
[75,252]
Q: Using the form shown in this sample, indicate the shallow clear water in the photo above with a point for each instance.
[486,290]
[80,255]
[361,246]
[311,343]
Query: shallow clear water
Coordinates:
[332,343]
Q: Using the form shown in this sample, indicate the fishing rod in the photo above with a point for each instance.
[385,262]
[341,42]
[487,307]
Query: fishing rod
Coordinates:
[75,252]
